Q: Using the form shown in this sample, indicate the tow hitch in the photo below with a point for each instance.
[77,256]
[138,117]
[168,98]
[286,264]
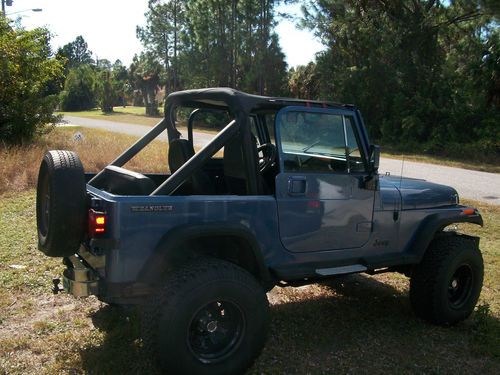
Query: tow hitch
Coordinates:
[78,278]
[57,288]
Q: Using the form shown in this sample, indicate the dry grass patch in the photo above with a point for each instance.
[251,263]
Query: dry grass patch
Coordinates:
[96,148]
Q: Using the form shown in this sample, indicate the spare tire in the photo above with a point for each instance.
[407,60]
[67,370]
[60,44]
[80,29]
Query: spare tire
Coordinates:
[60,203]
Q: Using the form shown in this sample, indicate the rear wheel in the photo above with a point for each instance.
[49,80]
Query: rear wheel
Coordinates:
[445,286]
[60,203]
[210,318]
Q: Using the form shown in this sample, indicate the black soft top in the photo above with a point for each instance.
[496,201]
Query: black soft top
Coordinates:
[235,101]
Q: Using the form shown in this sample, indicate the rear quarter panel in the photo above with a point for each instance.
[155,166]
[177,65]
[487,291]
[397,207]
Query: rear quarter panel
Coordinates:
[139,223]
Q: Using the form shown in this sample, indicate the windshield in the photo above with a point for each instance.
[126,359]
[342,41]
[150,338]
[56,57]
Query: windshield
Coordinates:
[309,136]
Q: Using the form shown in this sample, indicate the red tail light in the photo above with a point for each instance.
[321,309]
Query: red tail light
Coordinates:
[97,223]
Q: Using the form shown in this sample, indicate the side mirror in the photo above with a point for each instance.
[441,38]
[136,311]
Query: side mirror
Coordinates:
[374,158]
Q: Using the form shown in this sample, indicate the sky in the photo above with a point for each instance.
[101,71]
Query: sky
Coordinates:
[108,27]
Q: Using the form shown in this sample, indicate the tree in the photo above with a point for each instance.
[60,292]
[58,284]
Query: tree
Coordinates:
[75,54]
[106,93]
[422,71]
[120,82]
[79,90]
[145,77]
[161,36]
[27,68]
[303,81]
[216,43]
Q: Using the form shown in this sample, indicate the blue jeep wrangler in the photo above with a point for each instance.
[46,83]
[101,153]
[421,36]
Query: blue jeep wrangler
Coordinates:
[286,193]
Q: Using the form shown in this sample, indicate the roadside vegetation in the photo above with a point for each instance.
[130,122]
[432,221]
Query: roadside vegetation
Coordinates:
[352,324]
[19,166]
[28,81]
[426,74]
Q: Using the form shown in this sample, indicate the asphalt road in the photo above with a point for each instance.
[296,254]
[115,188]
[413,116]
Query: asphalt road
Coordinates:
[481,186]
[200,139]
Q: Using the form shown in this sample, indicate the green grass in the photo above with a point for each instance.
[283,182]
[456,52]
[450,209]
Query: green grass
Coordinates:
[18,246]
[356,324]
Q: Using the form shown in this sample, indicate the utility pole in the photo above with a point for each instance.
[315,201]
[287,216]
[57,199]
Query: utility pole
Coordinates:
[4,3]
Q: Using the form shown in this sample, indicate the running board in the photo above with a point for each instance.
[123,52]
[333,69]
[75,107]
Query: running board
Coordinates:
[340,270]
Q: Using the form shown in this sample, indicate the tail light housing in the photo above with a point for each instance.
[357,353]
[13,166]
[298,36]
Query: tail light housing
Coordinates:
[97,223]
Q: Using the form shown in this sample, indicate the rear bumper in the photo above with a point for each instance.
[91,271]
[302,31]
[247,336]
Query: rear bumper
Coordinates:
[80,280]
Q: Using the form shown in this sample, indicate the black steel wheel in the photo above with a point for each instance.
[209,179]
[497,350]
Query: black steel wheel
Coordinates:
[460,286]
[216,331]
[210,317]
[445,286]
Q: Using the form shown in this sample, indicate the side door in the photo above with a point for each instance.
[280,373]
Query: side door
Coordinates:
[323,201]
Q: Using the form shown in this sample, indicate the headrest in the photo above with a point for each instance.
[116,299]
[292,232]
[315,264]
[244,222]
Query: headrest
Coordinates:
[179,151]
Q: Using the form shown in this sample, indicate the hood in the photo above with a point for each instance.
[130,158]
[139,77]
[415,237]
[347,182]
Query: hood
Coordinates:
[417,194]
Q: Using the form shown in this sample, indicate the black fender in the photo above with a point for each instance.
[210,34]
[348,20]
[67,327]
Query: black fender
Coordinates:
[170,249]
[432,225]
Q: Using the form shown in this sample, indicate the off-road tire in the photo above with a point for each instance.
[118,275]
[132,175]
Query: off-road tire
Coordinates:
[172,328]
[445,286]
[60,203]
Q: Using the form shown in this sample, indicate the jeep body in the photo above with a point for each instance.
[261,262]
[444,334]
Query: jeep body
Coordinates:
[287,190]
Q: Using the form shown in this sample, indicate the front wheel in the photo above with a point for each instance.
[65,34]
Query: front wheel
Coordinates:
[445,286]
[210,317]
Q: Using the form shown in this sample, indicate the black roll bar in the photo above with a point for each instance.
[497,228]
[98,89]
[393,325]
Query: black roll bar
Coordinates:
[136,147]
[176,179]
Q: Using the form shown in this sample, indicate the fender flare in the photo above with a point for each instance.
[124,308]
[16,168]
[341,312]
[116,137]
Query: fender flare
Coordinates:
[167,248]
[433,224]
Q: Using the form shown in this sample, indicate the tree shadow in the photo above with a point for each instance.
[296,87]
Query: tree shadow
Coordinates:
[358,324]
[347,325]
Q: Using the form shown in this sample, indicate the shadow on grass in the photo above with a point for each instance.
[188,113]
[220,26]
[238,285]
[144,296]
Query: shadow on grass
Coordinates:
[356,324]
[121,352]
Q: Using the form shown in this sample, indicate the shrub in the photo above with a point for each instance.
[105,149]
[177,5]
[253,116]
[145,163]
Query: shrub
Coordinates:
[79,90]
[27,69]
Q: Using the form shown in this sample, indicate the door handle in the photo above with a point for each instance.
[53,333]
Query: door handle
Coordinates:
[297,185]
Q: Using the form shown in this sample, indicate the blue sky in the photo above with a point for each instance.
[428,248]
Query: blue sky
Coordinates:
[109,26]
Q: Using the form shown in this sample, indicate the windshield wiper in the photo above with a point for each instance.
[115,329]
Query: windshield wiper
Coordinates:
[311,146]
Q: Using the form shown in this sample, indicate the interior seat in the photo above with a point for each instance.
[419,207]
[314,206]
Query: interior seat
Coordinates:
[235,169]
[199,183]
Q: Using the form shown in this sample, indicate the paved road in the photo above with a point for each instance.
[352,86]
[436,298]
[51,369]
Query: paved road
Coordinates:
[481,186]
[200,139]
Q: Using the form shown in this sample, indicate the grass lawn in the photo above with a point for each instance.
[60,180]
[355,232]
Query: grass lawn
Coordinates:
[356,324]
